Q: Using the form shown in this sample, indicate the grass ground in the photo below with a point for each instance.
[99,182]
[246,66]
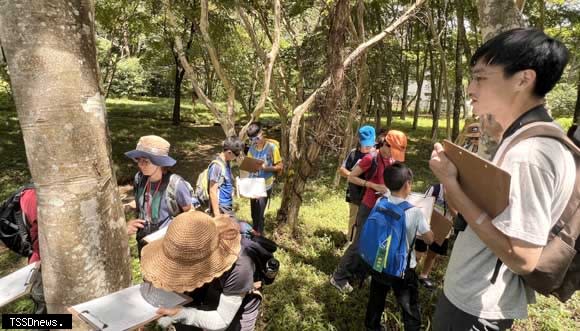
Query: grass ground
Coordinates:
[301,298]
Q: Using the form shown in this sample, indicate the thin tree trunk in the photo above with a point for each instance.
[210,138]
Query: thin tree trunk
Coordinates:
[576,119]
[419,89]
[458,95]
[51,53]
[179,73]
[361,80]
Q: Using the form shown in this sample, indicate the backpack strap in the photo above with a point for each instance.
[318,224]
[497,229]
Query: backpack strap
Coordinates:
[567,230]
[171,194]
[406,205]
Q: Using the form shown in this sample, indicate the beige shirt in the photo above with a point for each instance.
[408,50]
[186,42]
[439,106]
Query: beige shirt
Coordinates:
[542,179]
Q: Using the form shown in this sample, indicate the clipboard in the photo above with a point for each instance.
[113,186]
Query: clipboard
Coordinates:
[250,164]
[18,284]
[441,226]
[251,188]
[122,310]
[483,182]
[159,234]
[425,204]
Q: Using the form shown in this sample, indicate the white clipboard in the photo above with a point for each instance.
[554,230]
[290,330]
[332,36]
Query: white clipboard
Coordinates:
[18,283]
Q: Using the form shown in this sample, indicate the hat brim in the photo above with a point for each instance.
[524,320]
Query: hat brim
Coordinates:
[171,274]
[367,143]
[158,160]
[397,154]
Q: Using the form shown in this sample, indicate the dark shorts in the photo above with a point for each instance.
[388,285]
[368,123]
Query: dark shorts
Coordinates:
[421,246]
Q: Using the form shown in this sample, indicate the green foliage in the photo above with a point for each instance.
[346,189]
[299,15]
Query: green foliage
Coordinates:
[562,100]
[131,78]
[301,298]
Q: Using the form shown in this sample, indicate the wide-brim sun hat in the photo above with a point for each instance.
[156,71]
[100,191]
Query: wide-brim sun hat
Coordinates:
[196,249]
[153,148]
[398,142]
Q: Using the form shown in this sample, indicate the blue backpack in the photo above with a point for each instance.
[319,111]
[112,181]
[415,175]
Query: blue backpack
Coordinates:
[383,240]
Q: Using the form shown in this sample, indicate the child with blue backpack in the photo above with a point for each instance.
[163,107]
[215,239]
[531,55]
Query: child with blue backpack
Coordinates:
[387,241]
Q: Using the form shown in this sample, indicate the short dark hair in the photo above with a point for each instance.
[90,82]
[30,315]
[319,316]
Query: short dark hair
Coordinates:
[397,175]
[254,129]
[233,144]
[526,48]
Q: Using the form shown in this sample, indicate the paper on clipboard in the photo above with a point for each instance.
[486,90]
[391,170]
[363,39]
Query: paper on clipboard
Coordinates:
[250,164]
[441,226]
[482,181]
[17,284]
[425,204]
[122,310]
[156,235]
[251,187]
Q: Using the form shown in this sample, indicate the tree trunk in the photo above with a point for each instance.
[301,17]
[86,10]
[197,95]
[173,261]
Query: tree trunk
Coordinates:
[495,16]
[305,165]
[303,157]
[179,73]
[576,118]
[51,53]
[419,89]
[458,95]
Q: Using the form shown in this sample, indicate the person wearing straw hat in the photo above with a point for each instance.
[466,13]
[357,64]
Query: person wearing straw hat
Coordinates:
[201,251]
[159,194]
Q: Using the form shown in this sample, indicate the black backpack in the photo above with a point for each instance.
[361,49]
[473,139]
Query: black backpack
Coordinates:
[261,251]
[14,231]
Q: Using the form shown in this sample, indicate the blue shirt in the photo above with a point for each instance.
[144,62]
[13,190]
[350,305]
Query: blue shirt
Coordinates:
[225,182]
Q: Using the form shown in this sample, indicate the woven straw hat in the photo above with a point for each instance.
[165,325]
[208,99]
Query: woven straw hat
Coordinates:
[155,149]
[196,249]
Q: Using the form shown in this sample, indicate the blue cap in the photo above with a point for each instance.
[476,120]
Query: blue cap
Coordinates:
[366,136]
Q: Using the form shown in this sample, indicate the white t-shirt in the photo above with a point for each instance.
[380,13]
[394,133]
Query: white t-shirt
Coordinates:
[542,179]
[416,224]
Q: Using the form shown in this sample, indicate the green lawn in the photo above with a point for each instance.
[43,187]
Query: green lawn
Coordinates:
[301,298]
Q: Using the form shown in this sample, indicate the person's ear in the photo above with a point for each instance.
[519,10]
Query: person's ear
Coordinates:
[526,79]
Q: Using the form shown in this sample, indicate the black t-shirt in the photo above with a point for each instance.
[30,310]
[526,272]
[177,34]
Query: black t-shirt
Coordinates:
[354,193]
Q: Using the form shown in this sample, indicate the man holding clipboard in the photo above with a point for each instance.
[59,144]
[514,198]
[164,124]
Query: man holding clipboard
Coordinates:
[511,74]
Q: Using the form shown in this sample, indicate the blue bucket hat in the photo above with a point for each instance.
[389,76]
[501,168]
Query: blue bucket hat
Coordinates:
[366,136]
[155,149]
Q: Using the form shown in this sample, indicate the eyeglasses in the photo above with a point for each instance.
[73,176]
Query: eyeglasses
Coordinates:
[142,161]
[236,153]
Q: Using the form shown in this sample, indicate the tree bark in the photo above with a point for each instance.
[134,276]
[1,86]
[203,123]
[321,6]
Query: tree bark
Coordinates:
[179,73]
[576,119]
[419,89]
[458,95]
[495,16]
[51,53]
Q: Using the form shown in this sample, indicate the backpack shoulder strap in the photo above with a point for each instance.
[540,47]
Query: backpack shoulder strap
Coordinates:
[540,129]
[405,205]
[374,165]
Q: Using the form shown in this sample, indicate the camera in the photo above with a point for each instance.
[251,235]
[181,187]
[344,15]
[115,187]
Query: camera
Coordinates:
[271,270]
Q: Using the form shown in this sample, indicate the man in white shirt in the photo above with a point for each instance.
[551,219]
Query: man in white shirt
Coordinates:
[511,74]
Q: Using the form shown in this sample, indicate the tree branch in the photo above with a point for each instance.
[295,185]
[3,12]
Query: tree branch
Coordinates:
[354,56]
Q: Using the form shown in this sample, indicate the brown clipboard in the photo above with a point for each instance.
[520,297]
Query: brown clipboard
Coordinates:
[482,181]
[441,226]
[250,164]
